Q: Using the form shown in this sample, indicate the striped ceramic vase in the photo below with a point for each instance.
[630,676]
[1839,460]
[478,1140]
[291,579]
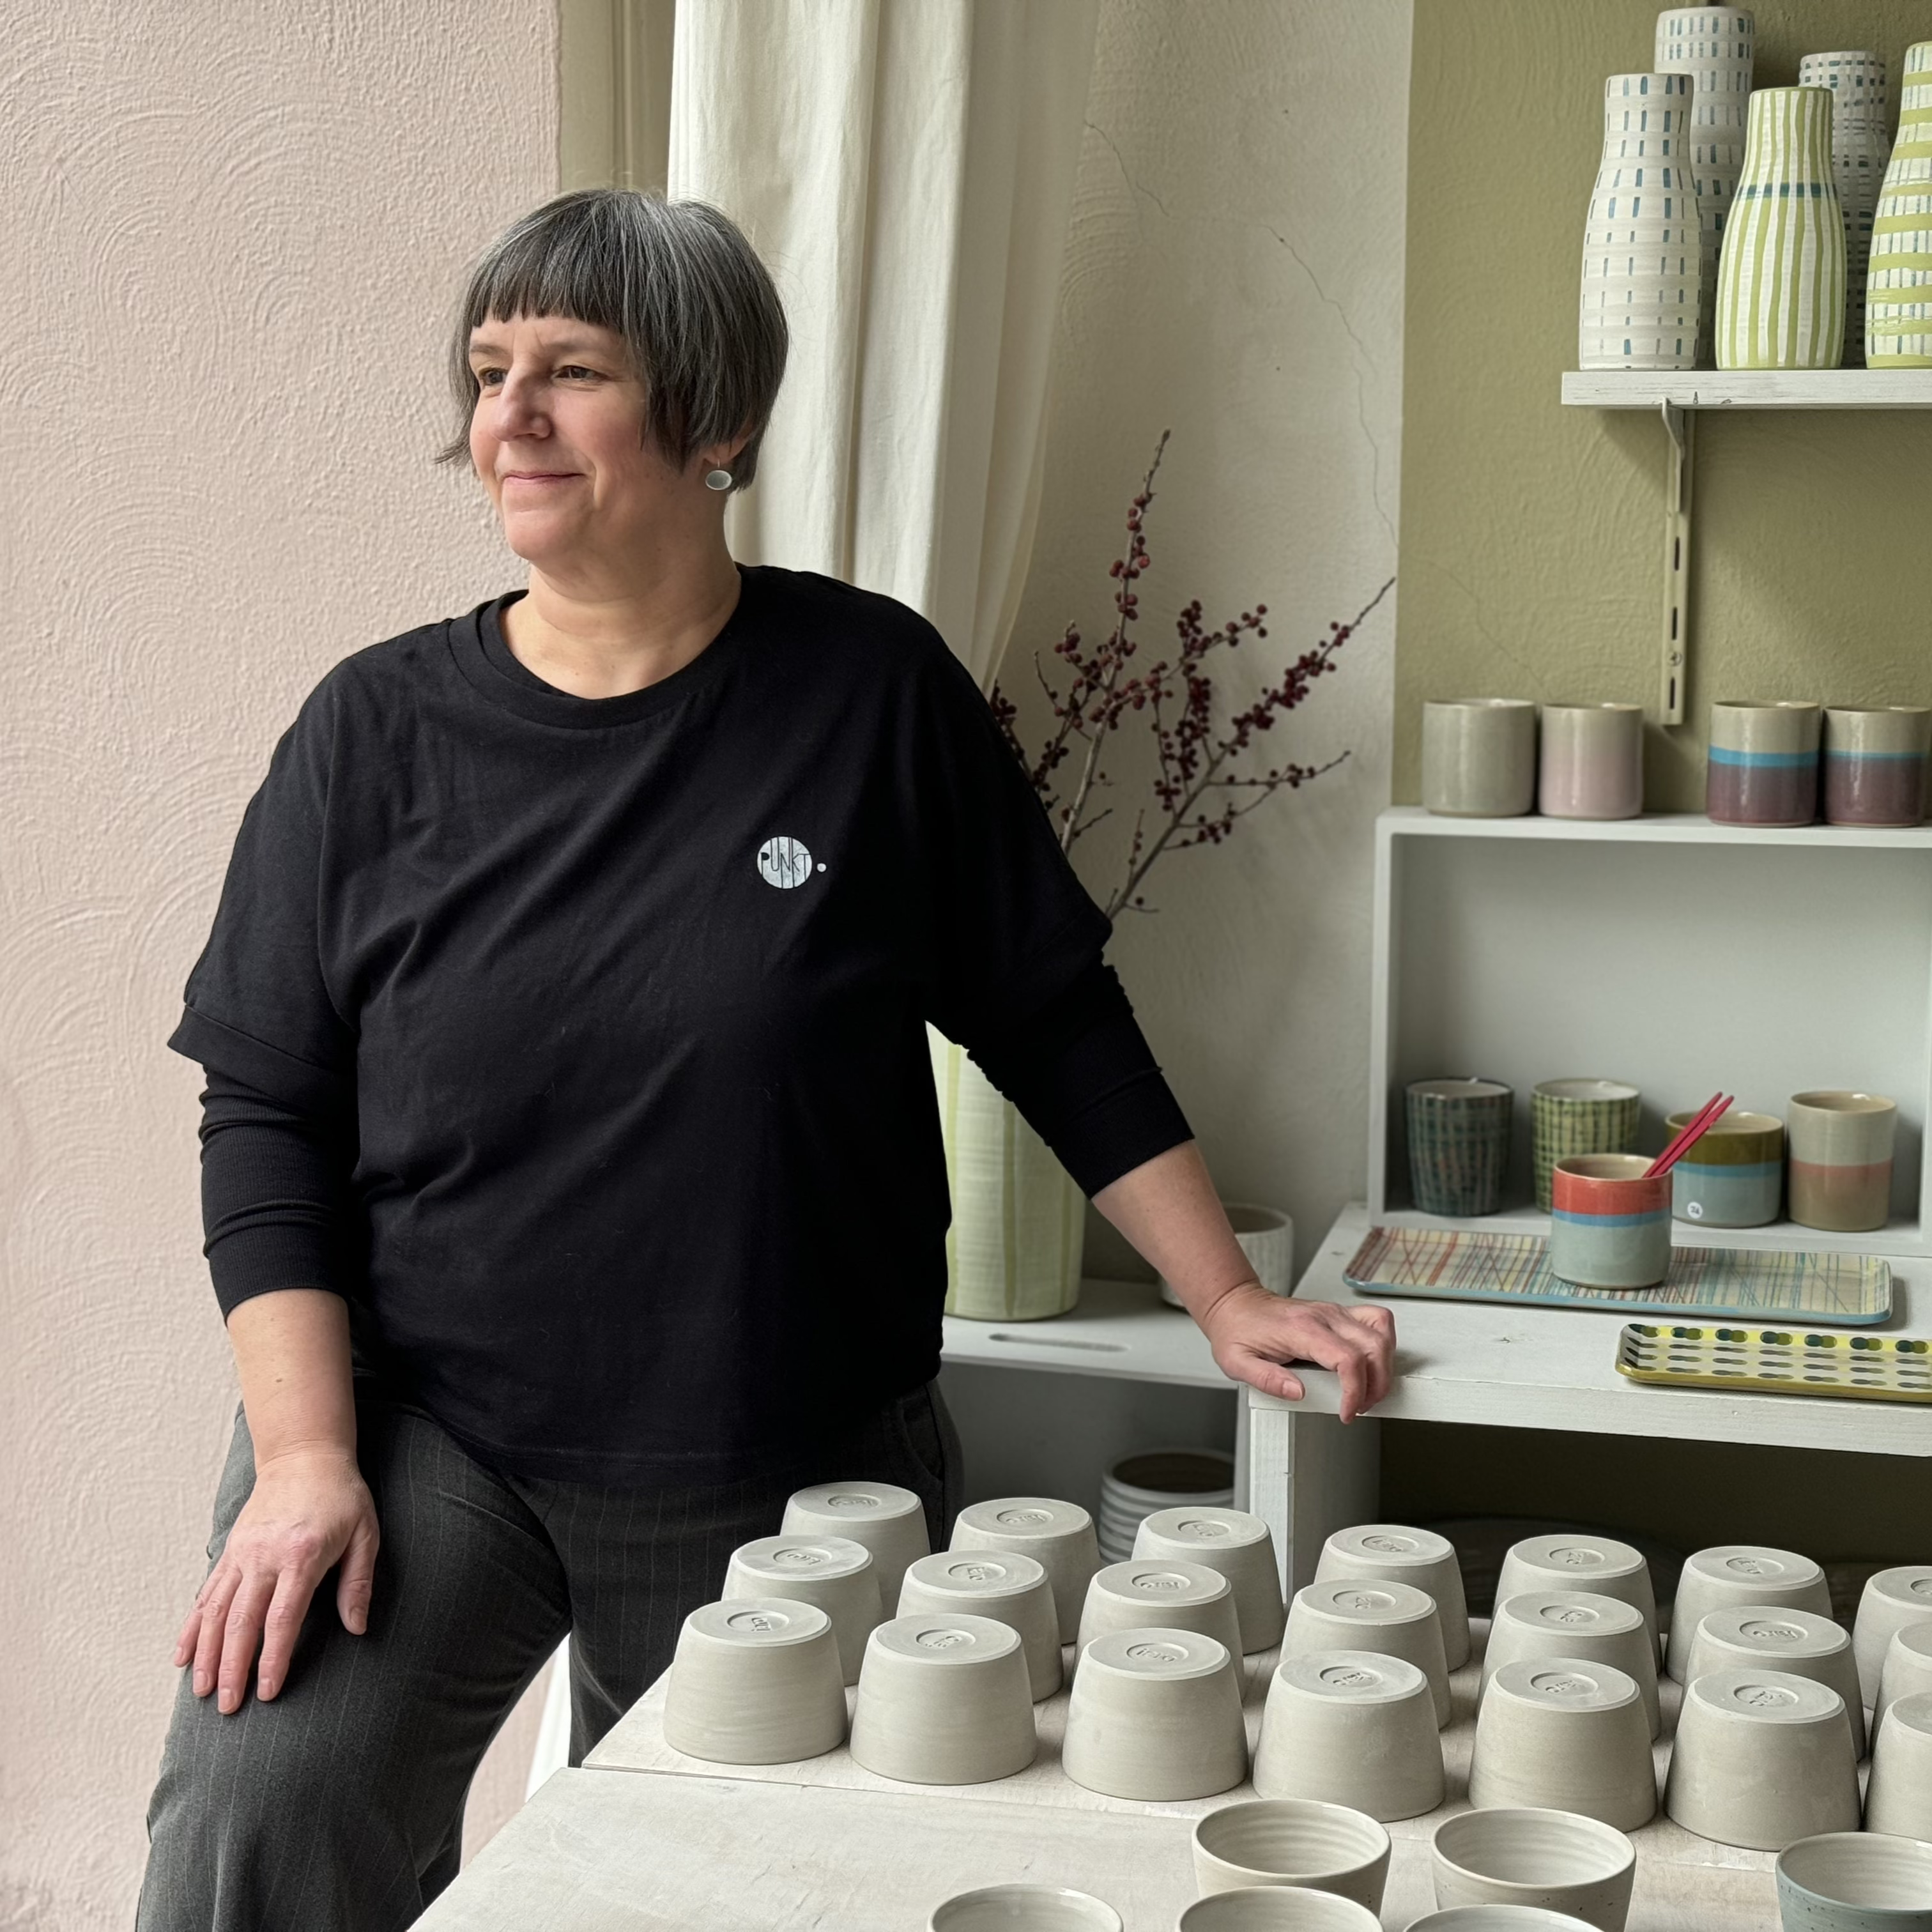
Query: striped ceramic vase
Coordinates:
[1781,272]
[1898,292]
[1860,147]
[1019,1221]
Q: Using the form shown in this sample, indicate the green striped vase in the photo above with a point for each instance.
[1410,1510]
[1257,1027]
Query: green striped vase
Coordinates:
[1781,274]
[1019,1221]
[1898,293]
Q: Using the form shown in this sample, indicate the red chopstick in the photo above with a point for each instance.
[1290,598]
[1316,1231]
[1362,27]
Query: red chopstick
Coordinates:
[1693,1129]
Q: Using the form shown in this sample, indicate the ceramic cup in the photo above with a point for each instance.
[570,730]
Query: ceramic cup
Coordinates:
[943,1700]
[1057,1536]
[1739,1577]
[1293,1841]
[1560,1861]
[1266,1236]
[1840,1173]
[1892,1601]
[1762,1757]
[1592,761]
[1169,1590]
[1579,1560]
[1398,1554]
[1024,1908]
[1351,1727]
[1801,1641]
[1875,765]
[756,1681]
[1156,1713]
[1610,1223]
[1010,1589]
[1907,1669]
[890,1522]
[1898,1798]
[1479,757]
[1579,1117]
[1855,1881]
[1236,1544]
[1391,1619]
[1564,1735]
[1540,1623]
[832,1572]
[1763,764]
[1498,1918]
[1276,1908]
[1733,1176]
[1459,1144]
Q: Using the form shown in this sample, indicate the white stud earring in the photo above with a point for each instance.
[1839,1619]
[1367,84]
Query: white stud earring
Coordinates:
[718,479]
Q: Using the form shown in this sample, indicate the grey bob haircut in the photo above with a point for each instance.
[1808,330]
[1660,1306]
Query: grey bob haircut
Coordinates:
[676,280]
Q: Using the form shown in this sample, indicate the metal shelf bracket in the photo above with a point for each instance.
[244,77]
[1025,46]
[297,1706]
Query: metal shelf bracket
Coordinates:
[1680,426]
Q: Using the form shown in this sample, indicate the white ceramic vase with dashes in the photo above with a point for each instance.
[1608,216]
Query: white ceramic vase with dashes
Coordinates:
[1861,146]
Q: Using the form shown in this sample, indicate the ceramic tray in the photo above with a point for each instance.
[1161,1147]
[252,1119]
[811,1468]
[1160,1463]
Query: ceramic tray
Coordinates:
[1780,1361]
[1752,1285]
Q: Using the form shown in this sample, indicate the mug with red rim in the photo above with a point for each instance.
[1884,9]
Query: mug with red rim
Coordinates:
[1609,1222]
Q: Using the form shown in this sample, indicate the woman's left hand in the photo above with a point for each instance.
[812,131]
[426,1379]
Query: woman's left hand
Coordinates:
[1254,1332]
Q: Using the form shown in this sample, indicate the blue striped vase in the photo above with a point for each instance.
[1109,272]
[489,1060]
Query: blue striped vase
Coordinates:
[1898,292]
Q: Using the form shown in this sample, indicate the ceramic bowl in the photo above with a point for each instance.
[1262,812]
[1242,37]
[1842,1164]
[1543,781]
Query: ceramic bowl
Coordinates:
[1578,1624]
[1024,1908]
[832,1572]
[1892,1601]
[890,1522]
[1855,1881]
[1739,1576]
[1799,1641]
[1057,1536]
[1907,1668]
[1601,1564]
[1155,1714]
[1392,1619]
[1167,1590]
[1498,1918]
[1293,1841]
[1564,1734]
[1009,1589]
[1898,1799]
[756,1681]
[1559,1860]
[1276,1908]
[1351,1727]
[1237,1544]
[1400,1554]
[943,1700]
[1762,1758]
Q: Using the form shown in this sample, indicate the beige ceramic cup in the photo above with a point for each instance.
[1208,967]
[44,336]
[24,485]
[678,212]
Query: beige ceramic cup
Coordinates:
[1165,1590]
[833,1572]
[1739,1577]
[1562,1734]
[1276,1908]
[943,1700]
[1392,1619]
[1236,1544]
[1401,1554]
[1024,1908]
[890,1522]
[1560,1861]
[1907,1669]
[1498,1918]
[1155,1714]
[1010,1589]
[1351,1727]
[1479,757]
[1058,1536]
[1799,1641]
[1592,762]
[1855,1881]
[1898,1799]
[756,1681]
[1762,1757]
[1601,1564]
[1892,1601]
[1577,1624]
[1293,1841]
[1838,1174]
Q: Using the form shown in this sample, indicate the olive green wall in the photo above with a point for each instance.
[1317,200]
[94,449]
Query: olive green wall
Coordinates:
[1531,534]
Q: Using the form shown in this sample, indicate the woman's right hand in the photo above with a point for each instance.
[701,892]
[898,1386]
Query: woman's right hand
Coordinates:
[309,1509]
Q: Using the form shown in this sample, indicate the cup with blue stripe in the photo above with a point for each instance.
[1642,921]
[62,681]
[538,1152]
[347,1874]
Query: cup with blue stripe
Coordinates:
[1609,1222]
[1733,1176]
[1763,763]
[1875,763]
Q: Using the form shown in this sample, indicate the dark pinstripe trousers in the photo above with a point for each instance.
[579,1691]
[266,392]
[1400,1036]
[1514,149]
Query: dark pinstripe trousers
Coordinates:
[338,1806]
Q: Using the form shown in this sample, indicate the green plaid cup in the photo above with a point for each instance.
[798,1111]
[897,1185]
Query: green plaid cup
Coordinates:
[1570,1117]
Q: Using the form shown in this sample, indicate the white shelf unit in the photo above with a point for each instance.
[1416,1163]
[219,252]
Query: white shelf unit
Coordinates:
[1678,955]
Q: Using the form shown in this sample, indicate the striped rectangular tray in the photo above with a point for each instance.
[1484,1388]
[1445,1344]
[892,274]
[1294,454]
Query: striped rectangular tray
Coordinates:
[1737,1284]
[1777,1361]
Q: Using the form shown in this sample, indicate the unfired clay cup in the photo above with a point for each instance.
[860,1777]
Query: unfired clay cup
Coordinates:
[1276,1908]
[1497,1919]
[1578,1624]
[1855,1881]
[1564,1734]
[1155,1714]
[1898,1798]
[1762,1757]
[1400,1554]
[1591,765]
[1168,1591]
[1799,1641]
[1351,1727]
[890,1521]
[1892,1599]
[1010,1589]
[943,1700]
[1237,1544]
[1907,1668]
[1560,1861]
[833,1572]
[1740,1576]
[1024,1908]
[1058,1536]
[1293,1841]
[1392,1619]
[1601,1564]
[756,1681]
[1479,757]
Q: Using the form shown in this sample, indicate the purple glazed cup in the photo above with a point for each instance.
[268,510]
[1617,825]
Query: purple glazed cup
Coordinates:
[1875,764]
[1763,766]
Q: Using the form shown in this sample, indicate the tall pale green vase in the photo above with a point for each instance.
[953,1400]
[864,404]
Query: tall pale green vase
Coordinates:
[1019,1221]
[1898,300]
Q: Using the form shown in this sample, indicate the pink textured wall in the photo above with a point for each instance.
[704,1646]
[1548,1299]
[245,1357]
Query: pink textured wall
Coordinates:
[232,231]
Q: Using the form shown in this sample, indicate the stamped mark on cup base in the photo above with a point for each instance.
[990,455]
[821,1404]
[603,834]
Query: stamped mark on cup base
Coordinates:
[1023,1519]
[942,1640]
[1390,1546]
[1350,1677]
[1164,1581]
[1563,1684]
[1771,1632]
[1578,1557]
[851,1500]
[757,1623]
[1156,1653]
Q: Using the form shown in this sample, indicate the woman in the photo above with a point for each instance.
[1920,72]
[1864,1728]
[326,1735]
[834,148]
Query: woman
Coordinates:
[571,1173]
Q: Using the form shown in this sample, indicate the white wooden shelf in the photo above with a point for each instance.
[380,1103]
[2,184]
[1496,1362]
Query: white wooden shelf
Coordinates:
[1749,388]
[1121,1329]
[1658,828]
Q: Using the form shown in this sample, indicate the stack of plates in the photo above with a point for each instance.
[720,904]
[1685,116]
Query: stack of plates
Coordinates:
[1135,1487]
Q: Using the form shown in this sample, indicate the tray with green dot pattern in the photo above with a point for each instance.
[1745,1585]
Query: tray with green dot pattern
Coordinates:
[1778,1361]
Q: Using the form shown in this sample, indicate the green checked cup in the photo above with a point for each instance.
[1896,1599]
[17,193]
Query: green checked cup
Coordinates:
[1570,1117]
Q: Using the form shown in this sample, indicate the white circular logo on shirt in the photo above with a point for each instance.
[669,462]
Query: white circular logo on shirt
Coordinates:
[784,863]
